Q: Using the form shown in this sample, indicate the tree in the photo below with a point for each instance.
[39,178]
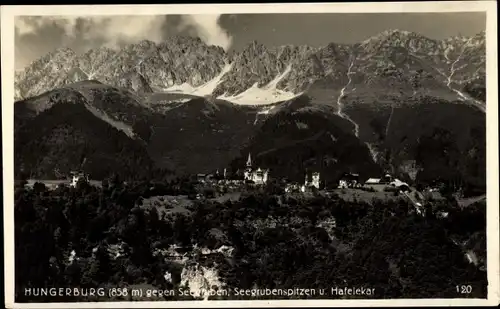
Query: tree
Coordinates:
[39,187]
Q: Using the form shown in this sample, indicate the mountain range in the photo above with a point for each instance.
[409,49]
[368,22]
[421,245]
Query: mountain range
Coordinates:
[188,107]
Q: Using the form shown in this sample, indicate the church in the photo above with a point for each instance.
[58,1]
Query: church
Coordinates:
[312,181]
[258,176]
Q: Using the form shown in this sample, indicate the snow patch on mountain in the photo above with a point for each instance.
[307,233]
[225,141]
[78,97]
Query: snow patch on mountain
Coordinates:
[263,96]
[184,88]
[265,110]
[209,87]
[446,53]
[340,104]
[259,96]
[467,99]
[179,100]
[373,152]
[450,81]
[203,90]
[259,76]
[274,83]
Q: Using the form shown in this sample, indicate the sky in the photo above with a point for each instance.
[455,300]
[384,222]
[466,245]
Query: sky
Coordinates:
[36,36]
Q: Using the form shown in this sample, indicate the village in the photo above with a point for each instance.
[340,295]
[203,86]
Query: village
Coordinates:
[224,185]
[349,183]
[260,176]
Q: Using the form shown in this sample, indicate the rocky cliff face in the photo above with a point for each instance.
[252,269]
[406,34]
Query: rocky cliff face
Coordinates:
[174,62]
[393,63]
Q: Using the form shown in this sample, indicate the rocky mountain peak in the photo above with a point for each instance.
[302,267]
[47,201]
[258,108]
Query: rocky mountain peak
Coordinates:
[185,40]
[254,48]
[62,52]
[146,44]
[394,38]
[183,63]
[99,51]
[397,32]
[481,34]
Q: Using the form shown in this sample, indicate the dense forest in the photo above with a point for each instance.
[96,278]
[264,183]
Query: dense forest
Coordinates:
[428,132]
[278,241]
[200,136]
[62,137]
[291,142]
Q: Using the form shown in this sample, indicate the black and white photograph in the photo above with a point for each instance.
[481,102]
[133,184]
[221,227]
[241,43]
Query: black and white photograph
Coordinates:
[199,153]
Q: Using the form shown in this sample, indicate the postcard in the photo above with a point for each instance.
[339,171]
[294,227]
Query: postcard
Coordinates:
[263,155]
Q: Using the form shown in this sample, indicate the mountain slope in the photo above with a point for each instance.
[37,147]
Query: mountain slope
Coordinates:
[118,107]
[199,136]
[443,141]
[300,137]
[394,63]
[63,135]
[335,108]
[188,137]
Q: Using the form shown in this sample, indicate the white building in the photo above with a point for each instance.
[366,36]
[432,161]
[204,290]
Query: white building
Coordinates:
[349,180]
[343,184]
[312,182]
[258,176]
[400,185]
[387,178]
[76,177]
[372,181]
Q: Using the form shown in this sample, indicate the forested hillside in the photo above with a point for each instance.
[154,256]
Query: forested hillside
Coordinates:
[273,241]
[65,135]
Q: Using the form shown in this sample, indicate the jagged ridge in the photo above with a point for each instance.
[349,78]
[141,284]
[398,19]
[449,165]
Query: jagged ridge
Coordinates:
[391,63]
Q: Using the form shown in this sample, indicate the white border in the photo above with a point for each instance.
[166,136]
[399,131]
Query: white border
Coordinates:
[7,42]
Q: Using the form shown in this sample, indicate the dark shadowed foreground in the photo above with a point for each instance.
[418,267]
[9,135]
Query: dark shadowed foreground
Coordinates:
[118,236]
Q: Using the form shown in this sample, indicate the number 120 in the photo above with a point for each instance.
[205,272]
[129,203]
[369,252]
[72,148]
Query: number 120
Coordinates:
[464,289]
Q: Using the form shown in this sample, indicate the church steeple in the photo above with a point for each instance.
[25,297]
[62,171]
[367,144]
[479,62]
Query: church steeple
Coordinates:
[249,160]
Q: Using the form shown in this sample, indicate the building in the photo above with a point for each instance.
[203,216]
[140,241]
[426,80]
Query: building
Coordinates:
[76,177]
[349,180]
[380,184]
[386,179]
[372,181]
[375,184]
[258,176]
[312,181]
[403,186]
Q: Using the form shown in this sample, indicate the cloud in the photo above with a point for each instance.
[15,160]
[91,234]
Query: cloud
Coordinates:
[207,28]
[37,35]
[128,29]
[112,30]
